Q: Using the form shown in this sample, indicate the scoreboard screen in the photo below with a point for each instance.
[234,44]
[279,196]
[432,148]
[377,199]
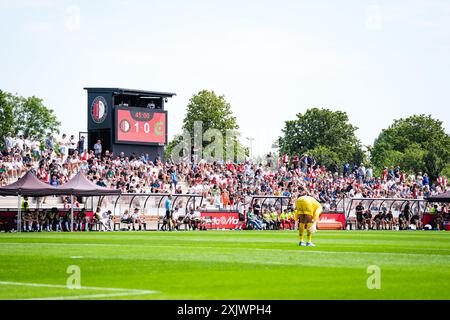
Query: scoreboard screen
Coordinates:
[140,126]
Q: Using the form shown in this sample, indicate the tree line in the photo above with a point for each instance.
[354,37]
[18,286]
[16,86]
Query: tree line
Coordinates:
[418,143]
[27,116]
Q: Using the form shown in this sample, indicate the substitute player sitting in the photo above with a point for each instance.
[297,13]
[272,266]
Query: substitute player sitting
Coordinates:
[307,212]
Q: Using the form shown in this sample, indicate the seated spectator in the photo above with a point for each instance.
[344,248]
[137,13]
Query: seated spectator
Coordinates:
[188,219]
[106,220]
[267,220]
[136,219]
[126,219]
[416,221]
[176,221]
[252,221]
[402,222]
[368,223]
[389,220]
[378,220]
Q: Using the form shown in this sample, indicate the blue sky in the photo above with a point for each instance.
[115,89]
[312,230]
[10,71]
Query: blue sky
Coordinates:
[376,60]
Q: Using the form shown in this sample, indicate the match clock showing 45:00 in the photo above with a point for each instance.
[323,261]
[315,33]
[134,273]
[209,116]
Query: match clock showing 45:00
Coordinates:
[137,125]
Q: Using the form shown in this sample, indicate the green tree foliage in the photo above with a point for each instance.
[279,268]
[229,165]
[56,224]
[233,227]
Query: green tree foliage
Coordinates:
[214,112]
[326,134]
[27,116]
[446,171]
[417,143]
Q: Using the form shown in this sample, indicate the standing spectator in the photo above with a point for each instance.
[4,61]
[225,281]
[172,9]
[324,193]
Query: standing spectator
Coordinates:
[295,161]
[20,144]
[369,173]
[270,160]
[49,144]
[346,169]
[359,216]
[225,199]
[285,160]
[71,145]
[80,146]
[426,179]
[9,142]
[407,213]
[36,148]
[241,209]
[98,148]
[174,178]
[169,211]
[362,172]
[63,145]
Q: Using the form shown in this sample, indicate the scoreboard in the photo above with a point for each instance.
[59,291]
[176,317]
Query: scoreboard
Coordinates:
[128,120]
[140,126]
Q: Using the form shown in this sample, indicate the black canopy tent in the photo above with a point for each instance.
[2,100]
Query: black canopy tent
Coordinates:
[443,197]
[29,185]
[80,186]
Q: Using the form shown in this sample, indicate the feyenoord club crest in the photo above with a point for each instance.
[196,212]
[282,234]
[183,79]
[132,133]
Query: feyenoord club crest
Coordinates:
[124,126]
[99,109]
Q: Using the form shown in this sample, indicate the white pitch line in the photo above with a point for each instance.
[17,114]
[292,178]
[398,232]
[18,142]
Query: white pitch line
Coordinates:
[121,291]
[96,296]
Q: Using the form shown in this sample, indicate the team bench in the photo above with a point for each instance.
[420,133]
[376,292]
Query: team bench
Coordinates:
[146,221]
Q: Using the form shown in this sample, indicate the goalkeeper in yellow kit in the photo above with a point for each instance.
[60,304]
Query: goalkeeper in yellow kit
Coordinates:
[307,212]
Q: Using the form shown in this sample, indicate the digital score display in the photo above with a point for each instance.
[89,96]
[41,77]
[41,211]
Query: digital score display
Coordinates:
[141,126]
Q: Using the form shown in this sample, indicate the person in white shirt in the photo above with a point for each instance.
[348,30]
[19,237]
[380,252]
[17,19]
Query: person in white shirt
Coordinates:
[9,142]
[71,145]
[136,219]
[36,148]
[126,218]
[107,220]
[20,144]
[187,220]
[63,144]
[176,218]
[197,219]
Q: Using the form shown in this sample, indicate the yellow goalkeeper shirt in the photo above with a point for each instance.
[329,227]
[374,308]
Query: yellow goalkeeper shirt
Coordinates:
[308,205]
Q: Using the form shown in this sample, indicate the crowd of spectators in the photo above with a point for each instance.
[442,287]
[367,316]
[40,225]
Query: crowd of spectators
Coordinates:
[223,183]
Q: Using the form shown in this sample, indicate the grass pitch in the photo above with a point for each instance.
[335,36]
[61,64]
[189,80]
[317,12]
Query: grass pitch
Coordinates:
[225,265]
